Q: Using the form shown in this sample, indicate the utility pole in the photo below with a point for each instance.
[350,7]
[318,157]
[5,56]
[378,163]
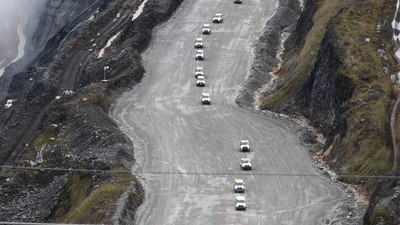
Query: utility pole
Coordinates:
[105,74]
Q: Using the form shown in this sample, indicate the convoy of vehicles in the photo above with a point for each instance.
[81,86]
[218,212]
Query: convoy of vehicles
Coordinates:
[245,163]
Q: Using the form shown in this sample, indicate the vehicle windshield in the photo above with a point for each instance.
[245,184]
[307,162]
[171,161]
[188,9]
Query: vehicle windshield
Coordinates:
[245,161]
[240,201]
[239,183]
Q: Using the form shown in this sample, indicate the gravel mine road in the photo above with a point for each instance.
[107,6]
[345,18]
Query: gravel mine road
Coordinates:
[188,153]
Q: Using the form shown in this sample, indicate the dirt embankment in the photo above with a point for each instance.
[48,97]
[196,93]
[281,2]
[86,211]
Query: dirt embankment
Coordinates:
[58,125]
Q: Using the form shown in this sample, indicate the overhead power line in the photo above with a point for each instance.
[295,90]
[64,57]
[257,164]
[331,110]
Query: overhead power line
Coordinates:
[198,173]
[21,223]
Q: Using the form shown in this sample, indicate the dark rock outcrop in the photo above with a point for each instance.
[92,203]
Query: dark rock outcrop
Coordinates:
[384,206]
[325,91]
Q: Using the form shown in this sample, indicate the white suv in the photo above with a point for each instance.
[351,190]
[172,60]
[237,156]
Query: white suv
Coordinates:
[206,29]
[198,43]
[198,71]
[205,98]
[199,54]
[238,186]
[240,202]
[244,146]
[218,18]
[201,81]
[245,164]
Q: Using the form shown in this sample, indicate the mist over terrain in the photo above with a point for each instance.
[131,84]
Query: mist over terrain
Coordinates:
[17,15]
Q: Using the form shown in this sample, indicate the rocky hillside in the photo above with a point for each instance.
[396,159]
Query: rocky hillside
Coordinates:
[336,71]
[58,125]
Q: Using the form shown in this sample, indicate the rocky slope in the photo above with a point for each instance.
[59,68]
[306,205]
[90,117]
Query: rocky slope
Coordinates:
[336,72]
[58,123]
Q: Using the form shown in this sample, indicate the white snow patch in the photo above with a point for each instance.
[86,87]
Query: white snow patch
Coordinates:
[139,10]
[109,42]
[396,39]
[9,103]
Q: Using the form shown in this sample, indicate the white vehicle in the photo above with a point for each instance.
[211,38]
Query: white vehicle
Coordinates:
[198,71]
[238,186]
[245,164]
[218,18]
[205,98]
[206,29]
[244,146]
[199,54]
[201,81]
[237,1]
[198,43]
[240,202]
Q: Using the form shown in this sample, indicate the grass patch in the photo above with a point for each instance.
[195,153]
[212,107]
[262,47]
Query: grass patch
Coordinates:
[43,138]
[83,203]
[381,214]
[367,115]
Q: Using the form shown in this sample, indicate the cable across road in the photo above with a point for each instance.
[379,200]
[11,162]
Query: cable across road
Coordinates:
[21,223]
[197,173]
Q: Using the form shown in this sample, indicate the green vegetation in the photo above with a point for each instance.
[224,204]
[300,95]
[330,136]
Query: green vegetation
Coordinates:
[382,213]
[362,62]
[85,202]
[45,137]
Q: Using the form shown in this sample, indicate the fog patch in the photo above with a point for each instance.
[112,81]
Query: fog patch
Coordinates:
[19,19]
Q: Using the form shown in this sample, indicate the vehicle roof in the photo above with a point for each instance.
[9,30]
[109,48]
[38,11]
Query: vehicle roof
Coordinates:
[245,159]
[199,68]
[244,141]
[240,197]
[206,25]
[205,94]
[239,181]
[199,51]
[199,39]
[200,77]
[218,14]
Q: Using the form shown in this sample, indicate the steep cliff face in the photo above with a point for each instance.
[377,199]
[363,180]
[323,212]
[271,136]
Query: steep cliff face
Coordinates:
[323,94]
